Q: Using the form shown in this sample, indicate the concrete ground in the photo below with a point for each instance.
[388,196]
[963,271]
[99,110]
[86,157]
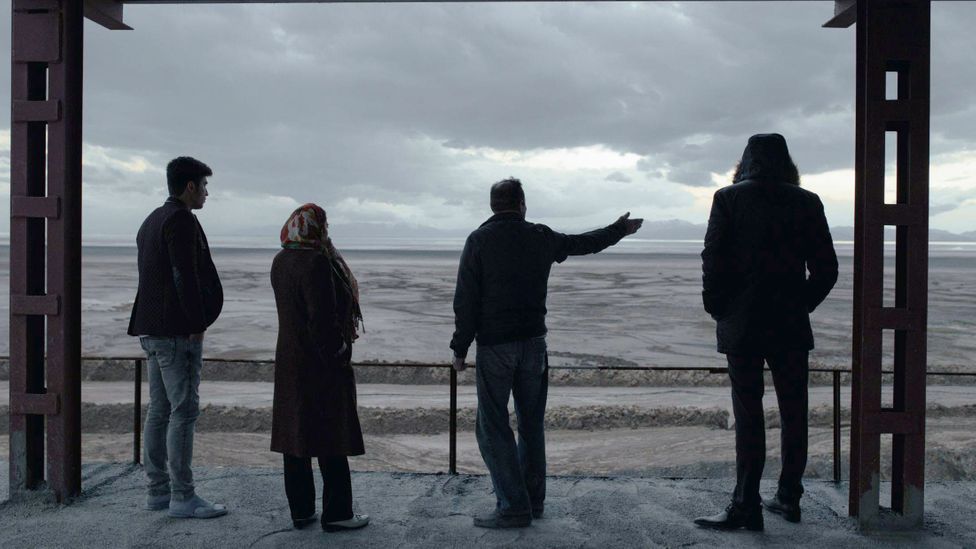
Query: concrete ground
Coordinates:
[417,510]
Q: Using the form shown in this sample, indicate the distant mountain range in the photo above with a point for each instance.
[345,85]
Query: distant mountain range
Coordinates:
[372,233]
[676,229]
[935,235]
[671,229]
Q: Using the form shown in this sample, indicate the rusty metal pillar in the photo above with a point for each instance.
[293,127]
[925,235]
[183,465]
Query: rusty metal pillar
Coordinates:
[892,103]
[45,279]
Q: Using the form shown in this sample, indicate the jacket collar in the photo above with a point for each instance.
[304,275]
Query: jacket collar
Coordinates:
[175,201]
[503,216]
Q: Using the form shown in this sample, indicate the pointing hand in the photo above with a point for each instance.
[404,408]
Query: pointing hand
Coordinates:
[630,225]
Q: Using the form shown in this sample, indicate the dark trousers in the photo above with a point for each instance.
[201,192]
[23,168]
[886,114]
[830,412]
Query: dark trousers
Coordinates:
[336,487]
[518,471]
[790,377]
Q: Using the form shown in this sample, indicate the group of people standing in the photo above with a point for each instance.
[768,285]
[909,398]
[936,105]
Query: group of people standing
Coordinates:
[767,263]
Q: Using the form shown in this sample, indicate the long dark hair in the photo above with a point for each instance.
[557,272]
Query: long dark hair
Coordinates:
[792,175]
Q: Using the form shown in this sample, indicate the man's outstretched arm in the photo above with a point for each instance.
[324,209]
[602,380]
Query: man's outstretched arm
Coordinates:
[597,240]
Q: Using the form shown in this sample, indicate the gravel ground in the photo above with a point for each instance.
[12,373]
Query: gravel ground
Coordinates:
[420,510]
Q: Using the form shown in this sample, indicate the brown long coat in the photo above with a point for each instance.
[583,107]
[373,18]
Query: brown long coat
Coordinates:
[315,391]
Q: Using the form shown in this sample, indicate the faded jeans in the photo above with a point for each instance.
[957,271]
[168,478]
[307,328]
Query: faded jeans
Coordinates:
[518,472]
[174,405]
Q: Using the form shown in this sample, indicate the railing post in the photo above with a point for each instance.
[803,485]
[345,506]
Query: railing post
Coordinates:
[836,374]
[452,459]
[137,415]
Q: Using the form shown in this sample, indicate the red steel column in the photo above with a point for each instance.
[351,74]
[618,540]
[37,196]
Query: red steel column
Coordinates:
[64,257]
[893,36]
[46,94]
[34,44]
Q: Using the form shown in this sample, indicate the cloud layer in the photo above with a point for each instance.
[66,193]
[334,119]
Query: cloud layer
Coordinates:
[399,116]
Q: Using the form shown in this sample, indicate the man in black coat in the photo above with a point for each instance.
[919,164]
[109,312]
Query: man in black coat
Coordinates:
[764,235]
[500,300]
[179,297]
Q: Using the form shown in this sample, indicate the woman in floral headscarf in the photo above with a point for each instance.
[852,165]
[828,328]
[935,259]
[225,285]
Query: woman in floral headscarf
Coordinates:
[314,411]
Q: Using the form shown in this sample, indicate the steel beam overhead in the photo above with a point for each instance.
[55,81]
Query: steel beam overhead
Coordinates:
[845,14]
[107,13]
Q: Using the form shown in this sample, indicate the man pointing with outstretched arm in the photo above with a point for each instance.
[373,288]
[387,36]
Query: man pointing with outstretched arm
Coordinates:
[500,300]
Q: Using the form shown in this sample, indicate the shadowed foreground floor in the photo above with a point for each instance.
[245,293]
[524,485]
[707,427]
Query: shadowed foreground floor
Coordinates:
[420,510]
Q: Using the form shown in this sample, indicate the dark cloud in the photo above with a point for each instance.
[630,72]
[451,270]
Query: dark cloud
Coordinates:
[276,87]
[391,103]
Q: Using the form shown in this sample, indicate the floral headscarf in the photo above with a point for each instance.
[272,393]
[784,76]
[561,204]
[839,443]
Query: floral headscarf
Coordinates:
[307,229]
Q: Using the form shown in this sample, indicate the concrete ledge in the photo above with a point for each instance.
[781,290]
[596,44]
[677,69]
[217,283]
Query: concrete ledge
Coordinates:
[593,376]
[416,510]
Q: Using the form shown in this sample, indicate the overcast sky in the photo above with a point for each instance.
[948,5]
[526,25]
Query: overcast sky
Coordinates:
[397,117]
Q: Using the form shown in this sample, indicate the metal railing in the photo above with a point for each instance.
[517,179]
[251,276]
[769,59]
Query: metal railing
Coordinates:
[452,427]
[137,398]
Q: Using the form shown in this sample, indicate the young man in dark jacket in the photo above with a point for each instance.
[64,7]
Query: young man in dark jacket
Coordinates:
[764,235]
[179,296]
[500,300]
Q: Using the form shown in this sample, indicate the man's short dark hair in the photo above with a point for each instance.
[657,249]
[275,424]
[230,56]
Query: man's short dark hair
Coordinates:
[507,195]
[182,170]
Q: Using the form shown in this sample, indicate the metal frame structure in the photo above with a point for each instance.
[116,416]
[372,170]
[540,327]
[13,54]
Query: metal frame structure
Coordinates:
[893,38]
[45,277]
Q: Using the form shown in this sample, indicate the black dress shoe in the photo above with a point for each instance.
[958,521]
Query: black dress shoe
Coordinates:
[733,518]
[790,510]
[494,520]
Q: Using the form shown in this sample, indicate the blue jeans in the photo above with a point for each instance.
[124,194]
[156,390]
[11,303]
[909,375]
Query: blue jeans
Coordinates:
[174,405]
[518,472]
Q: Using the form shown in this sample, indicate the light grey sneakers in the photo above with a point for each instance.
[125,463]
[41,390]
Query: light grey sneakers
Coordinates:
[357,521]
[196,507]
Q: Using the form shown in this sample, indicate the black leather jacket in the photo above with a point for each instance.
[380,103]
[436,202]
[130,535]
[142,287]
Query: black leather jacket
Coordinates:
[504,274]
[179,290]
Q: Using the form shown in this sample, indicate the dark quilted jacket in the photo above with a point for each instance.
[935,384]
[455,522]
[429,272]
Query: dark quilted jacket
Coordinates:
[764,235]
[503,277]
[179,290]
